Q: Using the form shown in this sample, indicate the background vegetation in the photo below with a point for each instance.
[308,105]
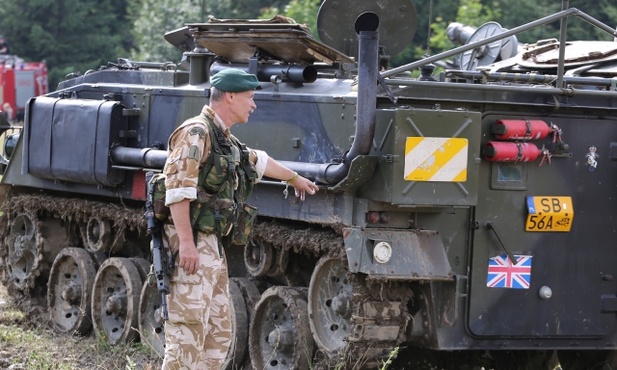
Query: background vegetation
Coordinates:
[78,35]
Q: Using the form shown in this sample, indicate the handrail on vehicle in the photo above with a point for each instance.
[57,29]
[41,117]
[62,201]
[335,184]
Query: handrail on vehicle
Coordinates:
[562,15]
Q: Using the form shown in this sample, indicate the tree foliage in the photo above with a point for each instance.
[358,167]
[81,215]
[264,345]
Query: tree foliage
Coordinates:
[153,18]
[241,9]
[70,35]
[302,11]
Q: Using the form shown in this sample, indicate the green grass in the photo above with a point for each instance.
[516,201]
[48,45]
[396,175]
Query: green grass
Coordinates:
[32,347]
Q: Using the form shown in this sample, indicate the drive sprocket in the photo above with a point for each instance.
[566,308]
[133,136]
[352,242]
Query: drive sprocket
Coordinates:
[21,254]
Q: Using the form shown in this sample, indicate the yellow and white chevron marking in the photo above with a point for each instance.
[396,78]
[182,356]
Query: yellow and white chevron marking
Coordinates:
[436,159]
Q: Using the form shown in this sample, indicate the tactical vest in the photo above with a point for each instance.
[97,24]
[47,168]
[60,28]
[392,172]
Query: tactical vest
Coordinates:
[225,182]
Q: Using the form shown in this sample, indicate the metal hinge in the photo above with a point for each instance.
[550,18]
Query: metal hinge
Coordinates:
[389,158]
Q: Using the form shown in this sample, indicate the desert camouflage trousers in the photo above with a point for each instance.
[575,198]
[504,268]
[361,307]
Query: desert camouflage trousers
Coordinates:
[198,333]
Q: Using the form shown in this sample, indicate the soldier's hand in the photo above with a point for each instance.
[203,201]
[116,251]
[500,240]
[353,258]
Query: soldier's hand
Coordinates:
[304,186]
[189,258]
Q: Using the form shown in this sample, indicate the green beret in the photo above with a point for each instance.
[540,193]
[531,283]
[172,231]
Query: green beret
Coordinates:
[234,80]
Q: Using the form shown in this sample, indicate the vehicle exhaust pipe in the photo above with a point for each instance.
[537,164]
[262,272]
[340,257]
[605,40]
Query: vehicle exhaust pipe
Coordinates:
[366,110]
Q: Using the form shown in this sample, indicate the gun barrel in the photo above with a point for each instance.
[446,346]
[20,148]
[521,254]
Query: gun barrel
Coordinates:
[289,73]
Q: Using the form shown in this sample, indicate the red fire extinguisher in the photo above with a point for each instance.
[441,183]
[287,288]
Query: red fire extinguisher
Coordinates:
[497,151]
[519,129]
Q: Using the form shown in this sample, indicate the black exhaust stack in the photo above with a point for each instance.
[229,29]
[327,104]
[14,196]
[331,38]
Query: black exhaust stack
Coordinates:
[368,68]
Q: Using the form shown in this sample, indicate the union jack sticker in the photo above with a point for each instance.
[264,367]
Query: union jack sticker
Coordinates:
[502,273]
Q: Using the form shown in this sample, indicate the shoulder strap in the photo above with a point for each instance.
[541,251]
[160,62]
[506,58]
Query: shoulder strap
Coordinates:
[217,141]
[245,162]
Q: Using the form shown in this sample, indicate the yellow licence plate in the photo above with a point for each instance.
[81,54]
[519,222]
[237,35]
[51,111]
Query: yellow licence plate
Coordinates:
[549,213]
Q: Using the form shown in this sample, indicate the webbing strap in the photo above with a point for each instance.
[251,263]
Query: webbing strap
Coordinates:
[217,140]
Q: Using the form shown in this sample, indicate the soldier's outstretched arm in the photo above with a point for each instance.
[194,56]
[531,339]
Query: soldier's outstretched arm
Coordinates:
[301,184]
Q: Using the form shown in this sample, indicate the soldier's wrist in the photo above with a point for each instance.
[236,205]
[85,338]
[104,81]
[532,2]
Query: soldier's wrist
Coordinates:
[293,178]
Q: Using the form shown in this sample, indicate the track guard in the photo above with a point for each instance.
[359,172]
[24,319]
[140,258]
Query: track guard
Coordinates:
[397,254]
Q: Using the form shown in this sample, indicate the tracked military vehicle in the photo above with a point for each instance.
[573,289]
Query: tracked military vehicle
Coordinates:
[465,217]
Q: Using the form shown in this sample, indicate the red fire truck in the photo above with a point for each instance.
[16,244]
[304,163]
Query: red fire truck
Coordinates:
[19,81]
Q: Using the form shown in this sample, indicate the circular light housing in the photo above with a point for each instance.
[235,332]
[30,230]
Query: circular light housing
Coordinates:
[382,252]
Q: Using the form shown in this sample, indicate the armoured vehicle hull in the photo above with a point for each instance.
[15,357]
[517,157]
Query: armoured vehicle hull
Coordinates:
[464,219]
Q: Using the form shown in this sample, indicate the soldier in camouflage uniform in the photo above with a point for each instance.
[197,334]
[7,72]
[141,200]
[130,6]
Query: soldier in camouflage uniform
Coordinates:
[198,332]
